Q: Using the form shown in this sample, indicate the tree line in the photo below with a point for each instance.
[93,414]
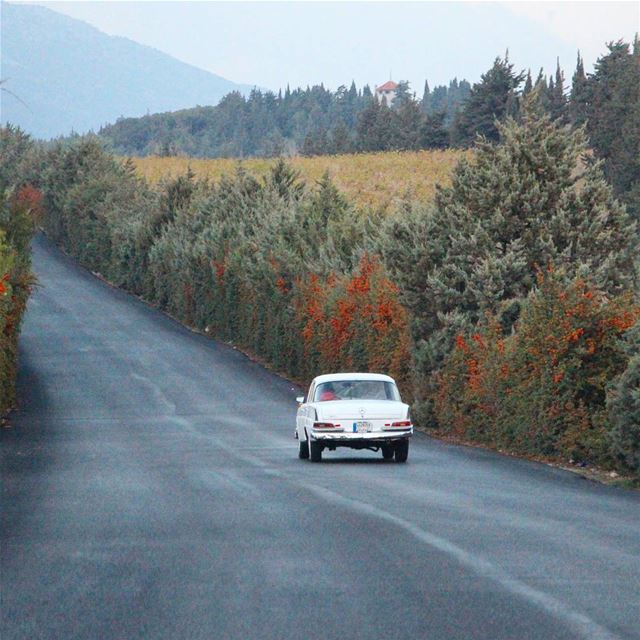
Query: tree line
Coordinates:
[308,121]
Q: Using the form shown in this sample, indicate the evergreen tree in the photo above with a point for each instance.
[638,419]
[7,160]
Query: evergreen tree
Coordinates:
[433,133]
[623,402]
[386,132]
[403,95]
[340,141]
[613,119]
[367,129]
[493,98]
[579,101]
[557,99]
[425,104]
[551,90]
[316,143]
[453,96]
[515,208]
[15,149]
[541,89]
[439,100]
[408,122]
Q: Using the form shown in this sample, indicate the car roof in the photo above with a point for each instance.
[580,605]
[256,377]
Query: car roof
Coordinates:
[330,377]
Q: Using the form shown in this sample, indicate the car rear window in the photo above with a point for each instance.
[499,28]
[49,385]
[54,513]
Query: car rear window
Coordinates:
[356,390]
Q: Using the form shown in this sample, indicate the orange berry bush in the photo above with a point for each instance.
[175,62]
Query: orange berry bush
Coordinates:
[16,226]
[542,389]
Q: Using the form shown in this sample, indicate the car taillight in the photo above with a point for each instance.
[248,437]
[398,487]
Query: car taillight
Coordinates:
[324,425]
[402,423]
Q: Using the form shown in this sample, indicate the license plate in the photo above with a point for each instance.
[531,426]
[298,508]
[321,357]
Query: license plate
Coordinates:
[363,427]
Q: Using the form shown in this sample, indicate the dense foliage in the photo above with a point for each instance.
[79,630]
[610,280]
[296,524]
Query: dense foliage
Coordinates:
[19,202]
[542,389]
[270,264]
[518,206]
[493,98]
[500,308]
[624,405]
[310,121]
[610,104]
[507,307]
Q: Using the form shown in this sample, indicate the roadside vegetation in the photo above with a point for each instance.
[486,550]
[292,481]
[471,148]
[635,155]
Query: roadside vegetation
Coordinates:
[505,303]
[19,203]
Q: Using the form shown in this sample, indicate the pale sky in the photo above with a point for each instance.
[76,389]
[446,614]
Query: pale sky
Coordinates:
[270,44]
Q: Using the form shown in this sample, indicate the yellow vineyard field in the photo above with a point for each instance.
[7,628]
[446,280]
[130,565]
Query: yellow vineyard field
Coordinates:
[369,179]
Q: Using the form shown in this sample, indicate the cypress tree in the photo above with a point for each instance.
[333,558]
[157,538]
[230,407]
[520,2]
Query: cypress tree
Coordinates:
[613,119]
[550,94]
[341,139]
[439,99]
[367,128]
[493,98]
[425,104]
[433,133]
[408,122]
[578,101]
[403,95]
[541,89]
[623,402]
[515,208]
[557,99]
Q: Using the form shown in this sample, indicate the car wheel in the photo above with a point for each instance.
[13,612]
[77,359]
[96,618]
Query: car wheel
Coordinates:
[303,449]
[315,451]
[387,451]
[402,450]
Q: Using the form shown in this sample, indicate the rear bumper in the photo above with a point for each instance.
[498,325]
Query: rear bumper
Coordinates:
[375,438]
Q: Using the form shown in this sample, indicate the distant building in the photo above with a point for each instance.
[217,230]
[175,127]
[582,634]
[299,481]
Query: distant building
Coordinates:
[387,91]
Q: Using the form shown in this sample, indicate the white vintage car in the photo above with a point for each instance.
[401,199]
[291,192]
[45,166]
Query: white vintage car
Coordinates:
[357,410]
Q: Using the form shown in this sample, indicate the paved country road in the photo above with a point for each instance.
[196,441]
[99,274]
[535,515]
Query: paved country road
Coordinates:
[151,489]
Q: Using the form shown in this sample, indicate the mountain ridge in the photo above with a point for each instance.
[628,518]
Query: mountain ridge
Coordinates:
[63,75]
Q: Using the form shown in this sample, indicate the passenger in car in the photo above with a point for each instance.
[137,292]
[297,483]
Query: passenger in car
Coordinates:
[328,393]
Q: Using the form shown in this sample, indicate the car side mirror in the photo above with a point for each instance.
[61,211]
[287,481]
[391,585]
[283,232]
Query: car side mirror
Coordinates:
[300,399]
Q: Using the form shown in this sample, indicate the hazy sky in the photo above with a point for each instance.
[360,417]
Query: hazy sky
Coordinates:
[270,44]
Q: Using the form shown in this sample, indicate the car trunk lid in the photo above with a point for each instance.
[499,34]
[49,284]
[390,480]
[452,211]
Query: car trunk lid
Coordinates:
[362,410]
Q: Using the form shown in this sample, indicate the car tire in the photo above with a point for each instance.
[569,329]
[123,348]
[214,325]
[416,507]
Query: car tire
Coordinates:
[402,450]
[315,451]
[387,451]
[303,449]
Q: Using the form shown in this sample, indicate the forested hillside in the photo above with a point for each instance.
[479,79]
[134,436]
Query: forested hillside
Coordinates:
[311,121]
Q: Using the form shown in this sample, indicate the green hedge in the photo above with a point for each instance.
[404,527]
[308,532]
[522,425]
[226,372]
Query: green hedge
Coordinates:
[19,204]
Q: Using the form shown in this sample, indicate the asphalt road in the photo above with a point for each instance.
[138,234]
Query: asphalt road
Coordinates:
[151,489]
